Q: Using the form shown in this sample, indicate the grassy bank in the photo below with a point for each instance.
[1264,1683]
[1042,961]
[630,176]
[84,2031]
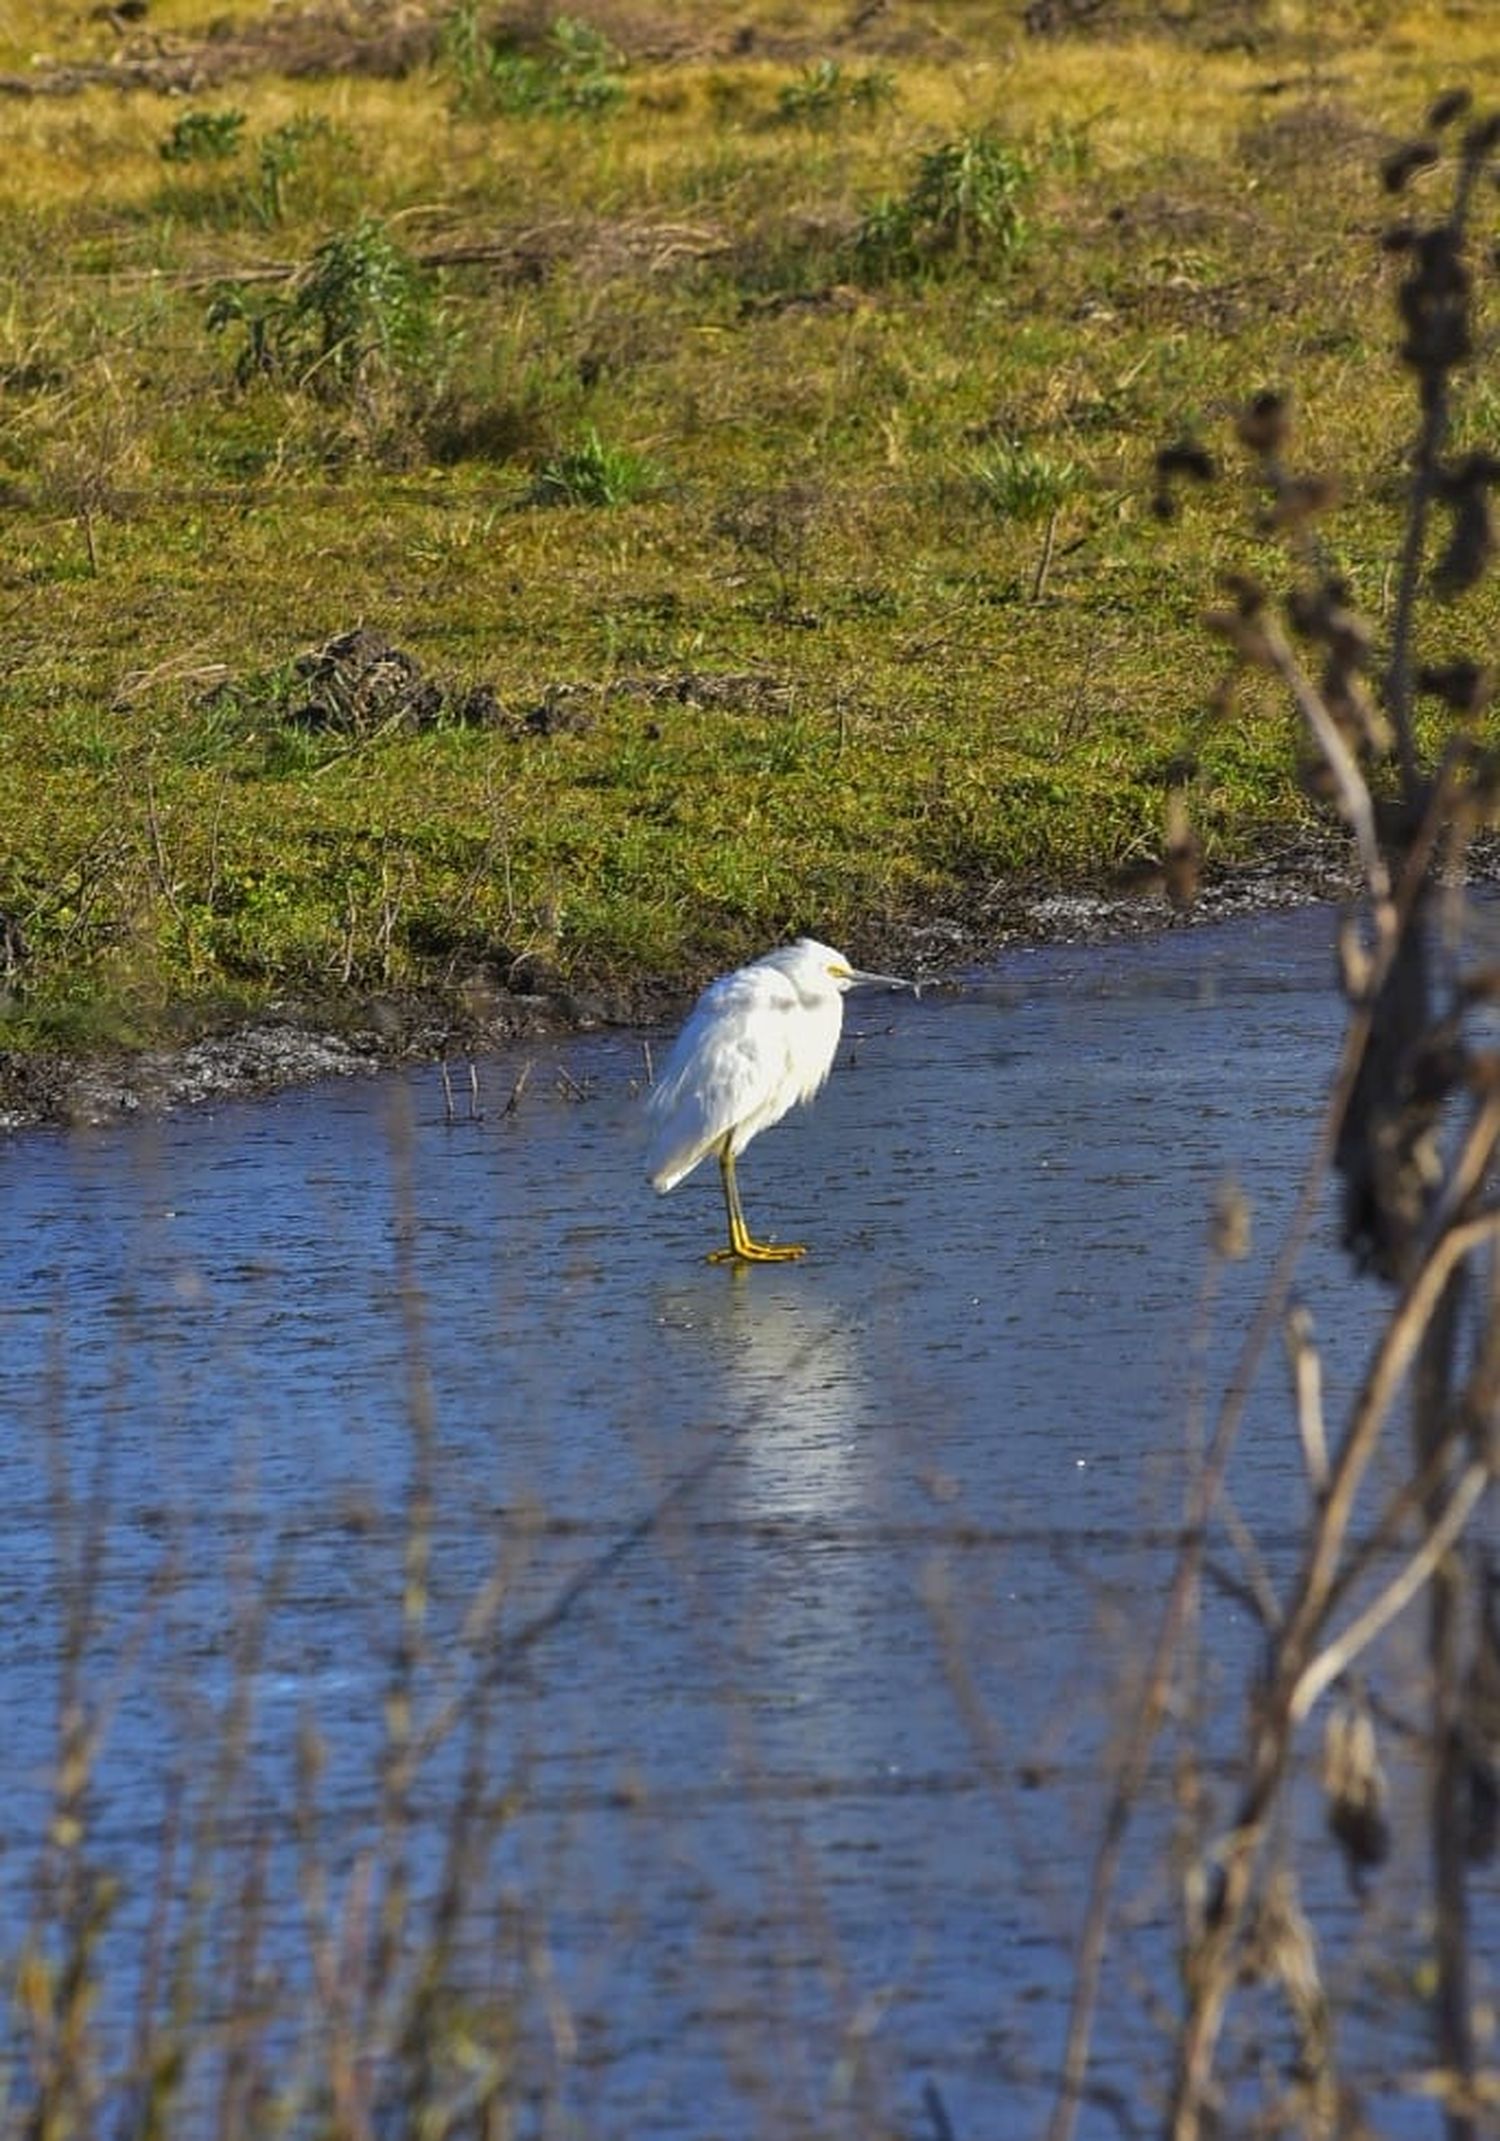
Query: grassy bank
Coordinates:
[736,428]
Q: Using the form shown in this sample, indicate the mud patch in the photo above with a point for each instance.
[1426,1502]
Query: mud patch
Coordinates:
[385,41]
[570,709]
[52,1089]
[359,684]
[264,1056]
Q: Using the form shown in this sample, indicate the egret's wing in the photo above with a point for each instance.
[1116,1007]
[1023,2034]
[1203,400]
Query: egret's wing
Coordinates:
[730,1059]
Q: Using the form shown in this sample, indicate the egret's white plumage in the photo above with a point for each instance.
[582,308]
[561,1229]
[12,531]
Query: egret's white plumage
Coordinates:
[756,1043]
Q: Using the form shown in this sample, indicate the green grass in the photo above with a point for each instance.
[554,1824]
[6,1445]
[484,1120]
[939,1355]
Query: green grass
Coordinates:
[817,369]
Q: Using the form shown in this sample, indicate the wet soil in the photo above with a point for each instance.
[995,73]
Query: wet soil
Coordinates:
[301,1043]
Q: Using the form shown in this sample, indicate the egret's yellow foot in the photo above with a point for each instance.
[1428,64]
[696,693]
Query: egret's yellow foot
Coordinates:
[747,1251]
[743,1247]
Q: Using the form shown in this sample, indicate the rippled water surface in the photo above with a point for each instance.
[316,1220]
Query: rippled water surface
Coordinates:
[813,1588]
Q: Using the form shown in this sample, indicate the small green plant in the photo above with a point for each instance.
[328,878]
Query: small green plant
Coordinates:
[593,474]
[577,70]
[1067,145]
[362,299]
[360,310]
[962,208]
[1020,481]
[279,155]
[203,137]
[824,93]
[200,137]
[256,313]
[467,53]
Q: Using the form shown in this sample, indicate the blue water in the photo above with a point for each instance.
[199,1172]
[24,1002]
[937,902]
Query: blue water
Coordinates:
[816,1591]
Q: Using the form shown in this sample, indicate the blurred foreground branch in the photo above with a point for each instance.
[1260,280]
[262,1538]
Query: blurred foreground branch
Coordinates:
[1411,1126]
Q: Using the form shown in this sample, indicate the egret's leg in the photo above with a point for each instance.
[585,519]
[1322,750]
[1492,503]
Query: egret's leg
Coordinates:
[742,1248]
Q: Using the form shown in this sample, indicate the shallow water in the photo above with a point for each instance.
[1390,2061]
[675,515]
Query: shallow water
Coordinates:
[818,1585]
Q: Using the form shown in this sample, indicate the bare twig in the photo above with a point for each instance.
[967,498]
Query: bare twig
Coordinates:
[1044,562]
[1353,793]
[1307,1386]
[1324,1669]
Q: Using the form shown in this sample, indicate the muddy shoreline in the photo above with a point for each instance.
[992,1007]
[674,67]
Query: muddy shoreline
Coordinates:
[299,1045]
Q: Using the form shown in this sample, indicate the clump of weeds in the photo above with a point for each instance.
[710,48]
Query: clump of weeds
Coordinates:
[827,92]
[593,473]
[962,209]
[1021,481]
[574,72]
[279,155]
[218,139]
[203,137]
[359,325]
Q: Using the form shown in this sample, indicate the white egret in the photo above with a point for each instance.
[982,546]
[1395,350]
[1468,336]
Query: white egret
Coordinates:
[756,1042]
